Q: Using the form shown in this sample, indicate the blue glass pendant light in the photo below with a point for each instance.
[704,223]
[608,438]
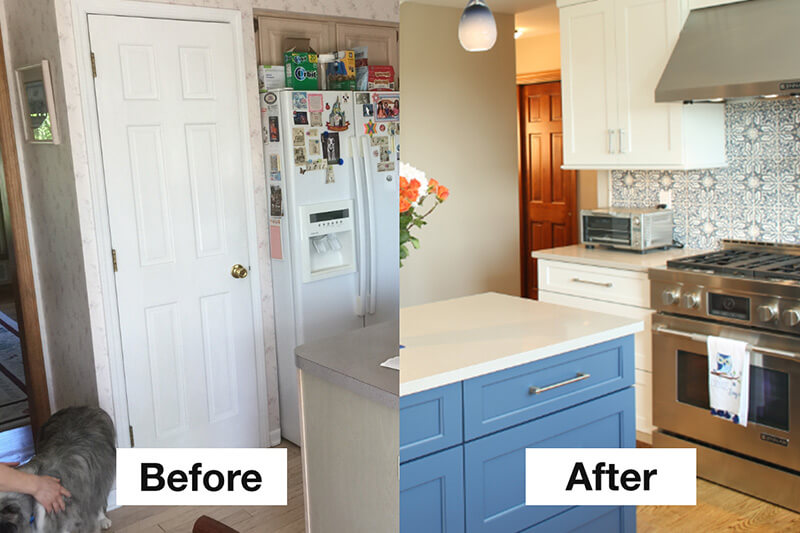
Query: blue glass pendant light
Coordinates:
[477,31]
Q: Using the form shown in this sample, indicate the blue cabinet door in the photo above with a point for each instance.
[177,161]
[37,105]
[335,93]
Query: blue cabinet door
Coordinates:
[432,493]
[590,520]
[510,397]
[495,465]
[430,421]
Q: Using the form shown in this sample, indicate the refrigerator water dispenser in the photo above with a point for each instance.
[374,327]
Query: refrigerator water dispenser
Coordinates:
[328,240]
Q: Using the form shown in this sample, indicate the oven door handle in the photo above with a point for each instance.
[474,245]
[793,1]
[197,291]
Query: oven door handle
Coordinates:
[699,337]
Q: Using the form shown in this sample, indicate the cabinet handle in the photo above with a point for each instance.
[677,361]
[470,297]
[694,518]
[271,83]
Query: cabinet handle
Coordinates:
[611,141]
[621,141]
[590,282]
[579,377]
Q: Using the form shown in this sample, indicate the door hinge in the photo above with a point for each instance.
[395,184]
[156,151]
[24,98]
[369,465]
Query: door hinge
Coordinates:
[130,431]
[114,259]
[94,66]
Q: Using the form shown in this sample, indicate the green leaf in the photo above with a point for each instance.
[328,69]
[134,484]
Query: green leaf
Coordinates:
[415,243]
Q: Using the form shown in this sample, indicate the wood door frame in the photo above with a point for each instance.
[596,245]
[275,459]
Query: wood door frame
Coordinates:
[30,328]
[81,9]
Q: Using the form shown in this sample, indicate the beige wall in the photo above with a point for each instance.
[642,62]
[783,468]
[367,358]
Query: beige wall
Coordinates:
[459,125]
[535,54]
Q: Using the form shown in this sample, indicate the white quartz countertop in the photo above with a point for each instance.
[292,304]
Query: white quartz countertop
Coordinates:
[610,258]
[453,340]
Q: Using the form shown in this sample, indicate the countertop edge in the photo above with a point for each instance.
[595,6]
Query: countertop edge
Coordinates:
[542,254]
[348,382]
[496,365]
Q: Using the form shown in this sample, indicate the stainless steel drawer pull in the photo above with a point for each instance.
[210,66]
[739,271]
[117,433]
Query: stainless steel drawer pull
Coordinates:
[699,337]
[538,390]
[590,282]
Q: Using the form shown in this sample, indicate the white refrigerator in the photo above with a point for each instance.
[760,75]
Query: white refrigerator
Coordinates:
[331,161]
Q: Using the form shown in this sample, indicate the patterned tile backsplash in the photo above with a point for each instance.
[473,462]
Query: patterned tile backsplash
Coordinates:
[757,197]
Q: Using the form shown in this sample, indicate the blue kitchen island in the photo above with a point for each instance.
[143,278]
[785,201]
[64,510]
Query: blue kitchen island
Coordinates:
[484,377]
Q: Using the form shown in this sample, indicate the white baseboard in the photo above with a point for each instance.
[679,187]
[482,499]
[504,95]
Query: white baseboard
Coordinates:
[275,437]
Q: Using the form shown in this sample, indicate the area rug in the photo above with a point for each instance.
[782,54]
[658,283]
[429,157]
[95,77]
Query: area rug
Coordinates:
[13,399]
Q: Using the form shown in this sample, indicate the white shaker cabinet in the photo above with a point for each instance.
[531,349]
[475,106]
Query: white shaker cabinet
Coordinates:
[613,291]
[613,53]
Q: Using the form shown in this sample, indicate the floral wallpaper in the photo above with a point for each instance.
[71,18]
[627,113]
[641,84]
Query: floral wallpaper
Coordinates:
[757,197]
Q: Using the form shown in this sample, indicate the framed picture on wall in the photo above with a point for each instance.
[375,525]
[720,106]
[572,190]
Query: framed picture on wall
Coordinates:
[35,90]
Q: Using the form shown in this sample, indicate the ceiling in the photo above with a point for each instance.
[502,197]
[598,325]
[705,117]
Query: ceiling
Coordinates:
[534,17]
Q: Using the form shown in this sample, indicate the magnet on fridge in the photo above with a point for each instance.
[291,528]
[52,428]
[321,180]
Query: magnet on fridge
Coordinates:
[341,162]
[370,128]
[300,101]
[383,127]
[330,176]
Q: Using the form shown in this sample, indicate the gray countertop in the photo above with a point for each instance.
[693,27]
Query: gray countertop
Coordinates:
[352,360]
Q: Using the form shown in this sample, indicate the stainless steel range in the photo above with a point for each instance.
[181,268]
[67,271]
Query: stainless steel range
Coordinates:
[750,292]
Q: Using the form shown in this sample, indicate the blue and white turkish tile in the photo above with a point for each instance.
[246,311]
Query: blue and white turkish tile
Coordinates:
[789,126]
[789,226]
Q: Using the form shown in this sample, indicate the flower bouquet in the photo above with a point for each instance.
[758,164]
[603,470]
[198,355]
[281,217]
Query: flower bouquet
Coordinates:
[415,189]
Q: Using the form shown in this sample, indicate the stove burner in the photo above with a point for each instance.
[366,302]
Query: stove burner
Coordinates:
[754,264]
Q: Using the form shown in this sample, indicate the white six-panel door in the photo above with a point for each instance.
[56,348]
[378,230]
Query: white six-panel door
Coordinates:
[171,138]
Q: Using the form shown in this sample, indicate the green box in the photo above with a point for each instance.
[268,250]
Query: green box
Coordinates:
[301,70]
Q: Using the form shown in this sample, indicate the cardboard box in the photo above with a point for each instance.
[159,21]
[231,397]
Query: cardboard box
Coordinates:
[301,69]
[271,77]
[380,78]
[341,73]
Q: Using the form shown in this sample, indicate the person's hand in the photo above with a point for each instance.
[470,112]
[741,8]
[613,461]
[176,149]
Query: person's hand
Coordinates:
[50,494]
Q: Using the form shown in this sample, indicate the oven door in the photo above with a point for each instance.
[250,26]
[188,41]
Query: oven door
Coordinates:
[604,229]
[680,390]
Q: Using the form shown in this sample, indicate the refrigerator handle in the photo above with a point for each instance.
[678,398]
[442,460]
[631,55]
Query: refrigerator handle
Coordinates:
[361,298]
[373,245]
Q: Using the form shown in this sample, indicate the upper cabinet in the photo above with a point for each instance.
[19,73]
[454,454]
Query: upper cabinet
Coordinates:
[325,35]
[612,55]
[701,4]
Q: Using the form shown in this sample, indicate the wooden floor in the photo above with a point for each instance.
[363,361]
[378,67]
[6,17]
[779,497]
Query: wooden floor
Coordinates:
[718,509]
[289,519]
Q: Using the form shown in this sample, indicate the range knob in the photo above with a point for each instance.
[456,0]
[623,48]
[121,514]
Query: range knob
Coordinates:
[767,313]
[791,317]
[691,300]
[670,297]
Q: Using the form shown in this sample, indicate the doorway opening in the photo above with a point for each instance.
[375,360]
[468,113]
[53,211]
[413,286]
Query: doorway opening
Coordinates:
[24,399]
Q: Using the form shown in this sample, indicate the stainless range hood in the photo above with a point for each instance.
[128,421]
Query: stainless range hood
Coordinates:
[742,50]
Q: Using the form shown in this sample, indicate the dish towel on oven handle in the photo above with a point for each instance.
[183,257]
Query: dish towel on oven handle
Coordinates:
[729,379]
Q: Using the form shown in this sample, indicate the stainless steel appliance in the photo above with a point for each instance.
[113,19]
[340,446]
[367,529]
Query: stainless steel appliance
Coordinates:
[739,50]
[750,292]
[627,229]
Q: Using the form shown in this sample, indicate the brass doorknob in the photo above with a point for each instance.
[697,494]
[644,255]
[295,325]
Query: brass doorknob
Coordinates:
[238,272]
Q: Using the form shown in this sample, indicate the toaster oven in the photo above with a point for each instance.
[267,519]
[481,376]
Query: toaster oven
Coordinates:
[627,228]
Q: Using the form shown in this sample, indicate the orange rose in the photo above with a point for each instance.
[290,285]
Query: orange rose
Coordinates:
[410,194]
[405,205]
[433,185]
[414,184]
[442,193]
[403,182]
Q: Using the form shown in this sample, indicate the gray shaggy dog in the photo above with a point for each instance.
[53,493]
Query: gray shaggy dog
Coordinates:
[77,446]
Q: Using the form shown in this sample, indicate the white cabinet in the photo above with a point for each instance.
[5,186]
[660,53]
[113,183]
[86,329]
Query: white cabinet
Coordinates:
[611,291]
[613,53]
[701,4]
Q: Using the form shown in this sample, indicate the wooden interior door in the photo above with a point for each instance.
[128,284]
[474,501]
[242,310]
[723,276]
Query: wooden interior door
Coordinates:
[548,199]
